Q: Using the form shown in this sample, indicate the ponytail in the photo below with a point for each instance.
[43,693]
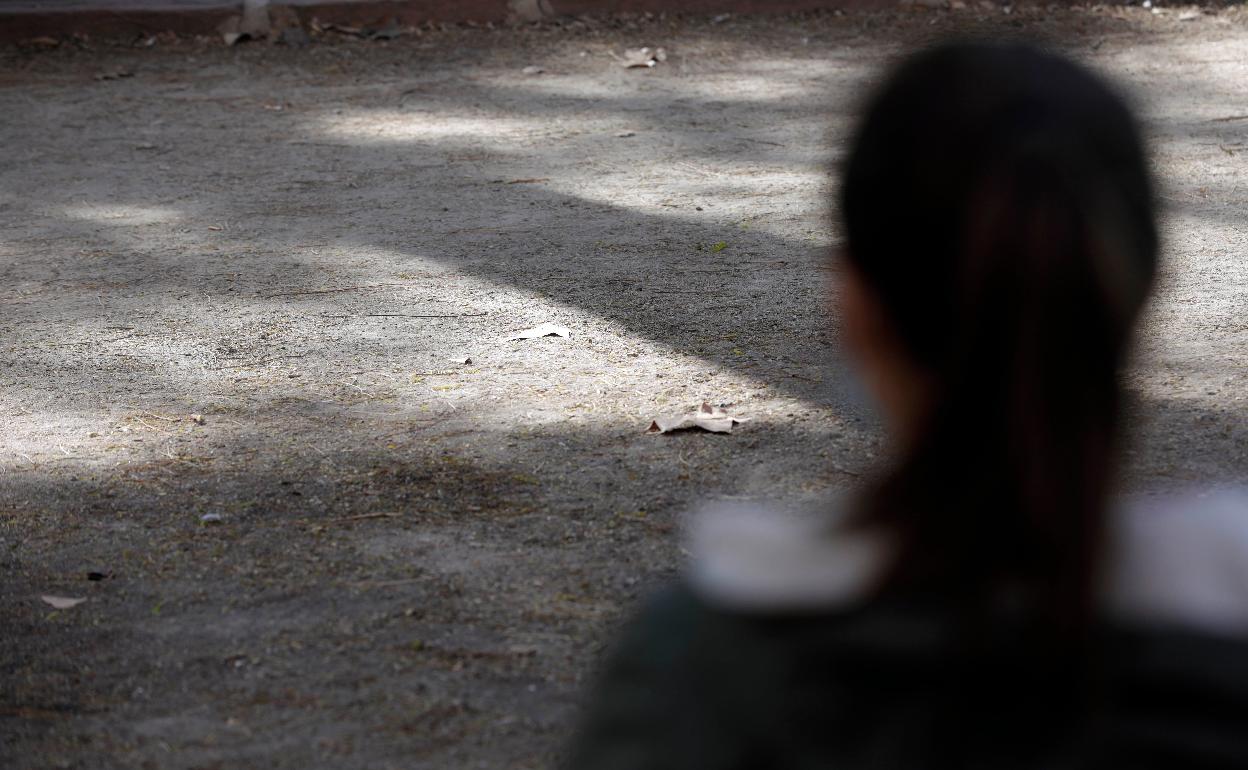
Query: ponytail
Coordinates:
[1014,288]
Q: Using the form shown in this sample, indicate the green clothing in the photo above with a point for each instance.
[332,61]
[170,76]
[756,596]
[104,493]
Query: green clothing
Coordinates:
[881,685]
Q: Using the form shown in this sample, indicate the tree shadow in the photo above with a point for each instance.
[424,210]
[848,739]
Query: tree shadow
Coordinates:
[257,228]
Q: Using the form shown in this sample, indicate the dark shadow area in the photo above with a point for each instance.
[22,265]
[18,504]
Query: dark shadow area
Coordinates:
[388,592]
[417,559]
[385,592]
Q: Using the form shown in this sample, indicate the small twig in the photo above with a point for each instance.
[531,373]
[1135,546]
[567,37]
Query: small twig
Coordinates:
[1228,118]
[161,417]
[326,291]
[534,180]
[442,373]
[759,141]
[261,362]
[488,230]
[149,425]
[409,315]
[92,342]
[360,517]
[384,583]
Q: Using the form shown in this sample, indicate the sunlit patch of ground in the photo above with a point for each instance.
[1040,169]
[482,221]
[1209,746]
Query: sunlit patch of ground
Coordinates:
[261,411]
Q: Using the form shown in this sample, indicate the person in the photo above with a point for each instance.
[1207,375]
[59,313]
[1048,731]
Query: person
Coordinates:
[988,600]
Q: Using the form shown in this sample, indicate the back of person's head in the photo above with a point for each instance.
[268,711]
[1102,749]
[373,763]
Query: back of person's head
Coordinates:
[997,208]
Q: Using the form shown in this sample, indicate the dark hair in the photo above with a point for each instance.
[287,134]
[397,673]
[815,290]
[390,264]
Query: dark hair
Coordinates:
[998,205]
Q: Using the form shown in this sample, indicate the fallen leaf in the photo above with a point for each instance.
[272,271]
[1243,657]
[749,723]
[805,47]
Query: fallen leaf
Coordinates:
[1190,15]
[532,69]
[544,330]
[61,602]
[712,419]
[211,518]
[719,246]
[231,30]
[343,30]
[642,57]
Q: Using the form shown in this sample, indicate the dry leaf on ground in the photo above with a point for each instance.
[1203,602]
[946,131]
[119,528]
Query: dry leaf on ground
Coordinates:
[253,24]
[61,602]
[642,57]
[231,30]
[341,29]
[544,330]
[708,418]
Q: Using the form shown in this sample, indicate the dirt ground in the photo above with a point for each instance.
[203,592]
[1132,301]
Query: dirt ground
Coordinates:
[393,539]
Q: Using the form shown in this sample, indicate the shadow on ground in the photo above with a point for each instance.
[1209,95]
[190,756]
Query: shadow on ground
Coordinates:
[416,557]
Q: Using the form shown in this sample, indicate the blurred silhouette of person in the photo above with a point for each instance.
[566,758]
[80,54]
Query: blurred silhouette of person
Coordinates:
[986,601]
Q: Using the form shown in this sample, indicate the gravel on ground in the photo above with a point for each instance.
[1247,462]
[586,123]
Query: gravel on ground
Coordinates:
[261,410]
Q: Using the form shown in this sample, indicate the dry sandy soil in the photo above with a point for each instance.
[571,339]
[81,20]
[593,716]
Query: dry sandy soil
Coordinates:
[415,560]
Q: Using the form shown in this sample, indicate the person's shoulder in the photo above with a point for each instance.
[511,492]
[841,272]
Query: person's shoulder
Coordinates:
[664,626]
[758,557]
[1177,559]
[1181,559]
